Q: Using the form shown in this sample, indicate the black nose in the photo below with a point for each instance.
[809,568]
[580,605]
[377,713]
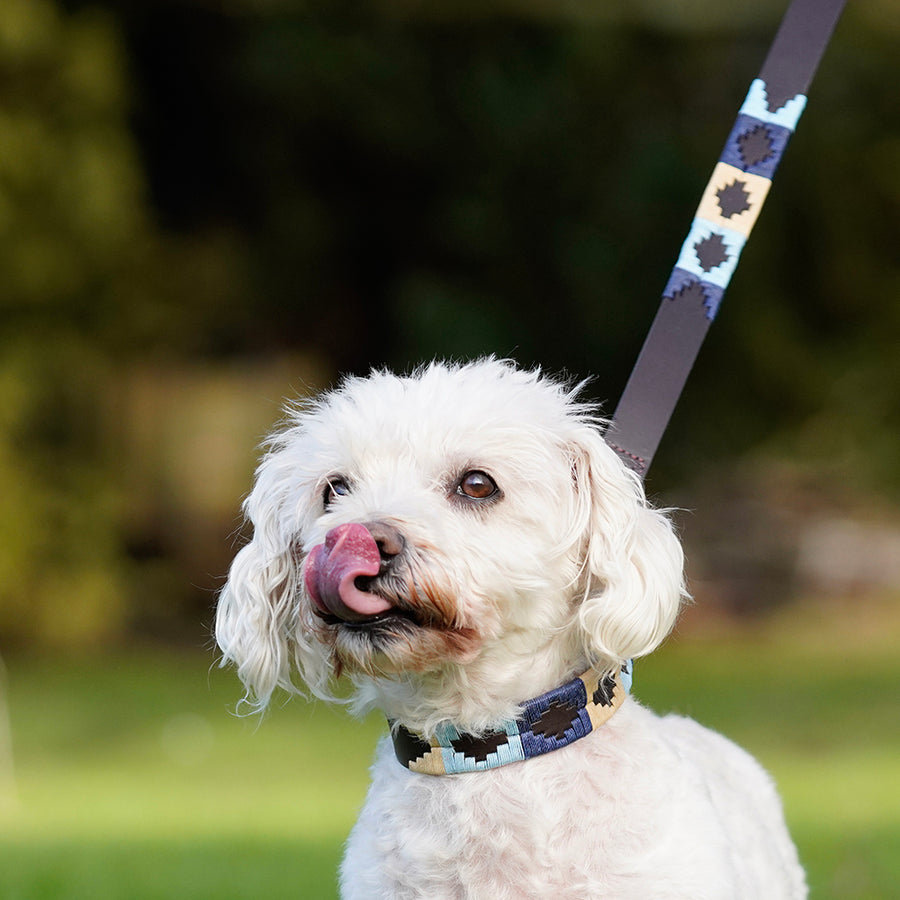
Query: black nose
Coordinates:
[388,538]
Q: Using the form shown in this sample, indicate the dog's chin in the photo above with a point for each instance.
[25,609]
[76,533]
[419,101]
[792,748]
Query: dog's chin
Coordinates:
[395,642]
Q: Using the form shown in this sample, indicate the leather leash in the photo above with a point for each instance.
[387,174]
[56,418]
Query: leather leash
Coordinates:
[723,221]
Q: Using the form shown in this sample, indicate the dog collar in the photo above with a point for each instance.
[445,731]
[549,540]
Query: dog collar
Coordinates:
[553,720]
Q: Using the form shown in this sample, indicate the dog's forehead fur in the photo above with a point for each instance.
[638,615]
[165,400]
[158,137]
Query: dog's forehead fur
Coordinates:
[443,412]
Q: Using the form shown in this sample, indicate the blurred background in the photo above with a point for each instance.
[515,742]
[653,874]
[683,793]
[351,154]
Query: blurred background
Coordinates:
[209,205]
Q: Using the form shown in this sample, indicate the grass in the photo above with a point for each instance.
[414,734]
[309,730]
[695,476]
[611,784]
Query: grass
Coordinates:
[133,780]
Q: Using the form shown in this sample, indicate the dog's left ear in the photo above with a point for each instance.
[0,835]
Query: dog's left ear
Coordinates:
[633,558]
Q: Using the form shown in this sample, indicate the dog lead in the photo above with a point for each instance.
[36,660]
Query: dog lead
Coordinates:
[727,212]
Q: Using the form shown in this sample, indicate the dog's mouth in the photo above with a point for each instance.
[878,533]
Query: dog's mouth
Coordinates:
[349,576]
[359,622]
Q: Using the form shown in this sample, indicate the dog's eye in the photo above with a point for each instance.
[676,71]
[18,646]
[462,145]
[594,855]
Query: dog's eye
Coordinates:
[477,485]
[336,487]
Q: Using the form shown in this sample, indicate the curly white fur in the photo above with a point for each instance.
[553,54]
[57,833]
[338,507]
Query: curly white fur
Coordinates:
[503,598]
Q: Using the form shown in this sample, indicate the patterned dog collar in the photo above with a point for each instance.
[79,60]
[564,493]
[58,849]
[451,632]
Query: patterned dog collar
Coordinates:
[553,720]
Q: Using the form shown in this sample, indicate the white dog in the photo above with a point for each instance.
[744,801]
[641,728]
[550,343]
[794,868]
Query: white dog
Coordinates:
[464,546]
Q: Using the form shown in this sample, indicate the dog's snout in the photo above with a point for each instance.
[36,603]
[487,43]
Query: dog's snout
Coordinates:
[389,540]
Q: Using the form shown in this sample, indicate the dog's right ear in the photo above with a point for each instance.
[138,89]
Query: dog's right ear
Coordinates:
[256,620]
[633,558]
[259,619]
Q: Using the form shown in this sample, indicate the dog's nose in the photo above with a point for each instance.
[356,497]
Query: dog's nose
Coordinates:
[389,539]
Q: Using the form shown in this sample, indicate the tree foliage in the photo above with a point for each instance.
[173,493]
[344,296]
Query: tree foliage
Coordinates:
[72,222]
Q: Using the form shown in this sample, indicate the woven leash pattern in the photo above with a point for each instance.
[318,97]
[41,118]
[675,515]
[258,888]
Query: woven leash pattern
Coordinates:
[555,719]
[727,213]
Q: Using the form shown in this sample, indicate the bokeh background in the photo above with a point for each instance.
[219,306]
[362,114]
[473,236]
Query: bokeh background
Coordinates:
[209,205]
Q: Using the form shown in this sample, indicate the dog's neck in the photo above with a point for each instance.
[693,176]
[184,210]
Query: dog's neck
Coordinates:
[548,722]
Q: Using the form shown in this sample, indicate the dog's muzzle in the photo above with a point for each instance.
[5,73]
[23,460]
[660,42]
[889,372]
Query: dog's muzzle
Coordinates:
[338,574]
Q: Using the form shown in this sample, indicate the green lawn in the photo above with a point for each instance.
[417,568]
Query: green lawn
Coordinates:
[134,780]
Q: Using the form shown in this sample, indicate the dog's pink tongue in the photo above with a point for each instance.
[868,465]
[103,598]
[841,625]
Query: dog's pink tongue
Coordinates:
[331,570]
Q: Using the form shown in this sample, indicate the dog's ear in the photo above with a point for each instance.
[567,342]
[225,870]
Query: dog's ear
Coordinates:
[634,560]
[255,619]
[259,619]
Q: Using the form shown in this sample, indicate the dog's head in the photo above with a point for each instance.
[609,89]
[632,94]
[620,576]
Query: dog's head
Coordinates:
[456,541]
